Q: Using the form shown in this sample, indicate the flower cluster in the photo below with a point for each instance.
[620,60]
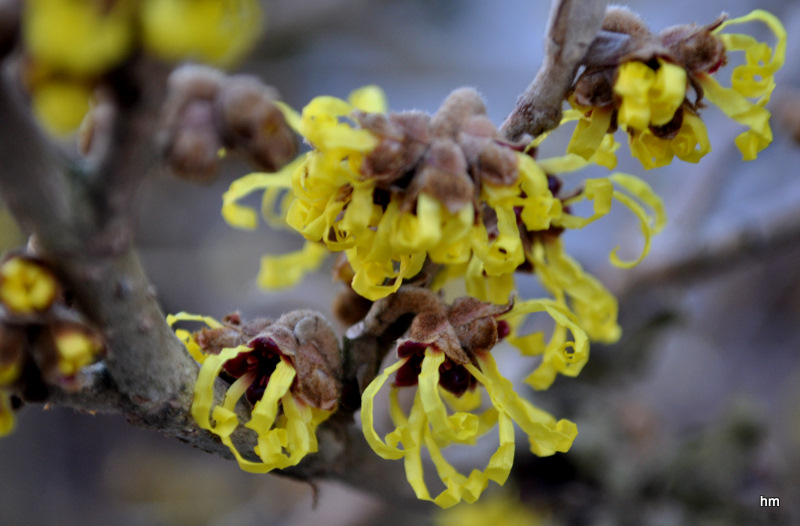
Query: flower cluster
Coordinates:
[411,201]
[39,344]
[643,88]
[71,45]
[394,191]
[287,370]
[391,191]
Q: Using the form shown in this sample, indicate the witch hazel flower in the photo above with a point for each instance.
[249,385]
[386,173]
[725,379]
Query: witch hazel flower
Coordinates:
[446,356]
[287,371]
[641,84]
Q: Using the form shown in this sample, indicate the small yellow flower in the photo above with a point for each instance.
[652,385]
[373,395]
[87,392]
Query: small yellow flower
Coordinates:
[219,32]
[444,411]
[430,425]
[26,286]
[61,105]
[264,372]
[282,422]
[650,96]
[79,37]
[499,508]
[76,349]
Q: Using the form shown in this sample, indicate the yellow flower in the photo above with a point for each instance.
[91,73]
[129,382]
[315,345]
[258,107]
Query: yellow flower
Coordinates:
[219,32]
[650,97]
[79,37]
[285,422]
[26,286]
[754,79]
[61,105]
[76,348]
[444,410]
[495,509]
[282,422]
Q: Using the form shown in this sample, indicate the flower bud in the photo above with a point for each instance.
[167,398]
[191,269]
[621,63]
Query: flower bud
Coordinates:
[26,285]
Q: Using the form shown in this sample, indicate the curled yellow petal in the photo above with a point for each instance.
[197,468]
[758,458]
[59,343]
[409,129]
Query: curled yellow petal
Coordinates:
[460,427]
[754,78]
[594,305]
[546,435]
[380,447]
[370,99]
[691,144]
[204,387]
[649,224]
[738,108]
[589,133]
[560,356]
[667,92]
[600,192]
[244,217]
[652,151]
[287,270]
[186,337]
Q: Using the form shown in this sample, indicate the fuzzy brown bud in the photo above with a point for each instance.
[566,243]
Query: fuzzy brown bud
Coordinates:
[404,140]
[460,105]
[489,160]
[694,46]
[443,176]
[317,358]
[190,141]
[251,123]
[620,19]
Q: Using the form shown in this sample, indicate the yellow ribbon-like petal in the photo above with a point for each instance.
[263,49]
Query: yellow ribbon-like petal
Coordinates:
[560,356]
[287,270]
[634,80]
[370,99]
[546,436]
[594,305]
[244,217]
[589,133]
[460,427]
[738,108]
[186,337]
[380,447]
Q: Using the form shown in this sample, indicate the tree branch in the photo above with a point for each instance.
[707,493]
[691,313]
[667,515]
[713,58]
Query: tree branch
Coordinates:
[572,26]
[81,220]
[735,251]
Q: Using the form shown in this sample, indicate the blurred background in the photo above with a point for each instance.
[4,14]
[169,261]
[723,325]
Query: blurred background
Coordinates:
[690,419]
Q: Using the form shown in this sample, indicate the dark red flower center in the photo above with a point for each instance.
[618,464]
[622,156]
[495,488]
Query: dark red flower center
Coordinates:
[452,376]
[260,362]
